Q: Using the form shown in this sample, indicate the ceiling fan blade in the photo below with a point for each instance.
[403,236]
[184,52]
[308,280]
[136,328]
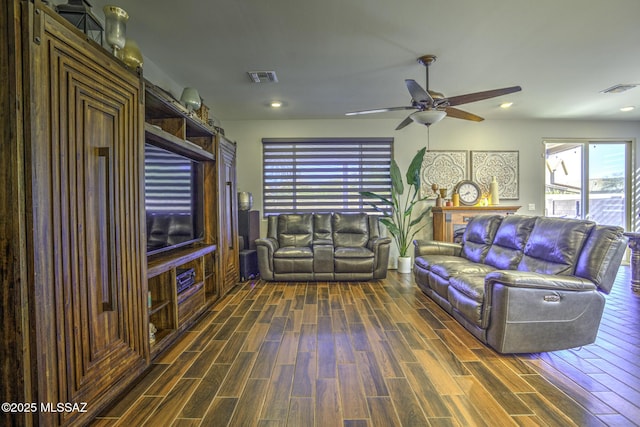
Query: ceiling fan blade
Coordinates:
[380,110]
[404,123]
[459,114]
[479,96]
[418,94]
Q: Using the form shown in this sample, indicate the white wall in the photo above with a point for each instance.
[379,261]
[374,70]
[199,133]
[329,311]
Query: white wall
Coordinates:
[450,134]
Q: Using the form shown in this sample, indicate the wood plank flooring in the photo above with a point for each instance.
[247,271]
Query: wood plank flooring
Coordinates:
[378,354]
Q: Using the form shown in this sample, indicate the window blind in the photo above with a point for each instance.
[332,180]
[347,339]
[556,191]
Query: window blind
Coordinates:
[324,175]
[168,182]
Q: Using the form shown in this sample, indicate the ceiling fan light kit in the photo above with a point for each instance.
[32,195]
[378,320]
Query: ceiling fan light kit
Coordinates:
[433,106]
[428,117]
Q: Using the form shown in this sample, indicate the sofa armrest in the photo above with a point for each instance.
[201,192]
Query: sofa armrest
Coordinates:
[322,242]
[528,312]
[266,247]
[377,242]
[525,279]
[270,243]
[433,247]
[380,246]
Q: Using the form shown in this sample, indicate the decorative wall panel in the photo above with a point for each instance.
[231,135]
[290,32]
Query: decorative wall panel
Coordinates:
[443,168]
[504,165]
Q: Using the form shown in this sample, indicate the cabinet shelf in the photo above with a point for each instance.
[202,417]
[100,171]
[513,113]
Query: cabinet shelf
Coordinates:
[164,262]
[161,335]
[163,139]
[159,305]
[159,104]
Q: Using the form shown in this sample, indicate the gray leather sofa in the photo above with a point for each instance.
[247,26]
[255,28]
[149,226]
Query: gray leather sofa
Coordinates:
[338,246]
[524,284]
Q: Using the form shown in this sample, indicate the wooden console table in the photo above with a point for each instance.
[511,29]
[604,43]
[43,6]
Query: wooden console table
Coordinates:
[634,245]
[448,219]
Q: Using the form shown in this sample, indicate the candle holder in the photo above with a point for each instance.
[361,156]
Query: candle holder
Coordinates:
[78,12]
[115,27]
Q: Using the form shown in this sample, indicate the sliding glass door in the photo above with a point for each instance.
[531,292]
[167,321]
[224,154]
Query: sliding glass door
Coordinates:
[588,180]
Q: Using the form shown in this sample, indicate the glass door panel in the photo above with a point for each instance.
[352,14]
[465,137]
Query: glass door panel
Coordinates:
[563,184]
[588,180]
[607,183]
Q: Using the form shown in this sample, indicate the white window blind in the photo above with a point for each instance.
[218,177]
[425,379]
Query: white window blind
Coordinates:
[325,174]
[168,182]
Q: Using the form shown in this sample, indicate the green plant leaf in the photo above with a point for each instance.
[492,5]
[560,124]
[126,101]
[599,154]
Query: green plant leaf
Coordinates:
[413,173]
[396,178]
[369,194]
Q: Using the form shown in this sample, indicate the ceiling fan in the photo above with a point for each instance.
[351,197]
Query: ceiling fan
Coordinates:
[433,106]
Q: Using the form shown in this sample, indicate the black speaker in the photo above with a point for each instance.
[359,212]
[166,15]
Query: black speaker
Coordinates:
[248,264]
[249,228]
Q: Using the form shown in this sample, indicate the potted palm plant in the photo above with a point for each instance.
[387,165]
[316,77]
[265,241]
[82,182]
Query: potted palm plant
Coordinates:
[401,217]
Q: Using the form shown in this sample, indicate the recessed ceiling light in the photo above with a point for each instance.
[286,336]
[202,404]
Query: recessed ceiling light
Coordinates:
[276,104]
[506,105]
[629,108]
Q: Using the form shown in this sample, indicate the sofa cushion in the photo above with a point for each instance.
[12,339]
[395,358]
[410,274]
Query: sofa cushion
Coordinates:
[479,235]
[352,252]
[554,245]
[508,245]
[427,261]
[471,285]
[466,295]
[354,265]
[451,268]
[293,252]
[295,229]
[350,229]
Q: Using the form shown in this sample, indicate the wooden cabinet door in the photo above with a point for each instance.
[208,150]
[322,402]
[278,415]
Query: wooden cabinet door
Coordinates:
[227,217]
[86,202]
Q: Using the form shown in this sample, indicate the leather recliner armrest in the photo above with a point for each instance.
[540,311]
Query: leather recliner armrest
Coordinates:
[266,247]
[433,247]
[269,243]
[377,241]
[525,279]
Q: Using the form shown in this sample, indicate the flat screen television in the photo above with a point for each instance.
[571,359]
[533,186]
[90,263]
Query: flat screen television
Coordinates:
[173,192]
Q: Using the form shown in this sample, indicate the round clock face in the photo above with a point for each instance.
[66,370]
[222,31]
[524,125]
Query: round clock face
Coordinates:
[469,192]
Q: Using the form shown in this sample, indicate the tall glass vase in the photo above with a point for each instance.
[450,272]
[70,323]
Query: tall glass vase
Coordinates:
[115,27]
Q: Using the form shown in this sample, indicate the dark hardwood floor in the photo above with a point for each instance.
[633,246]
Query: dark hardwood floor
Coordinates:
[378,354]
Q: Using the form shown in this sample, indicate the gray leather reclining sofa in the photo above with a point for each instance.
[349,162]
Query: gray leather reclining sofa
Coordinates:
[524,284]
[325,247]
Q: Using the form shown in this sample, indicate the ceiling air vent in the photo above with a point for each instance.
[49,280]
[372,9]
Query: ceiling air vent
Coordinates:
[619,88]
[263,76]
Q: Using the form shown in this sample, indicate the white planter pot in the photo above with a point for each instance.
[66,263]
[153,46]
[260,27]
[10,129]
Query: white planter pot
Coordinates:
[404,264]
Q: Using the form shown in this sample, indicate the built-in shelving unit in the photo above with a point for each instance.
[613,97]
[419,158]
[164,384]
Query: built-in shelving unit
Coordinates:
[168,125]
[170,311]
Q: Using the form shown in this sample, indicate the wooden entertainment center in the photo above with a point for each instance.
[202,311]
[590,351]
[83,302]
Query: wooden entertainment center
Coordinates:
[78,291]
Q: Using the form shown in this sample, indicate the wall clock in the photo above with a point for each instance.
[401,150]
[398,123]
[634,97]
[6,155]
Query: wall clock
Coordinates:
[469,192]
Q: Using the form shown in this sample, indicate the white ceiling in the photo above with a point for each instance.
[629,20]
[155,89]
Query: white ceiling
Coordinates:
[335,56]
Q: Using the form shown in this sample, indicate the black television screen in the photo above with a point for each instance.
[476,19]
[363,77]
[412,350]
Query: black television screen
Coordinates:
[173,199]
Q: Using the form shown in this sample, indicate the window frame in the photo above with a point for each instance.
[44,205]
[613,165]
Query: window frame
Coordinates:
[363,164]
